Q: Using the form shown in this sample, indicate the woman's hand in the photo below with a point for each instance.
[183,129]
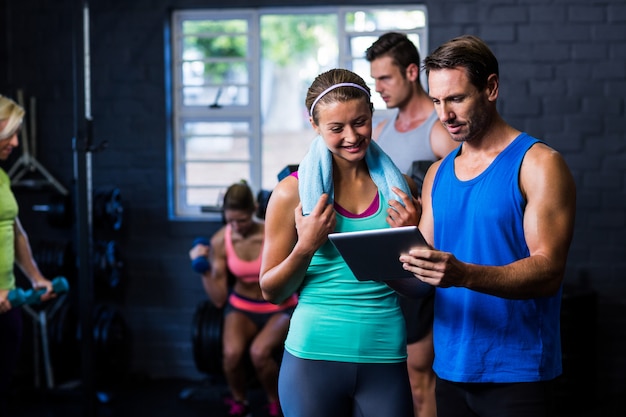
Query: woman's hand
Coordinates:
[404,215]
[5,305]
[199,250]
[43,283]
[313,229]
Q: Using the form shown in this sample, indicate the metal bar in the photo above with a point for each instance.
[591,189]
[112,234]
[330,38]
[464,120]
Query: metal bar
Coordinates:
[33,127]
[43,326]
[84,217]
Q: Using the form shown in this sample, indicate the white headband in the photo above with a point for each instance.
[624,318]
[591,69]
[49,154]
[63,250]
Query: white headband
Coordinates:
[332,87]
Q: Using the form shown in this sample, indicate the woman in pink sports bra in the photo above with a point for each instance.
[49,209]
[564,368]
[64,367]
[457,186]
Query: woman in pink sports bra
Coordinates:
[252,326]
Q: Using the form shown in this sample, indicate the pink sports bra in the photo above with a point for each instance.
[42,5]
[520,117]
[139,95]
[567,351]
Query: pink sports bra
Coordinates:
[246,271]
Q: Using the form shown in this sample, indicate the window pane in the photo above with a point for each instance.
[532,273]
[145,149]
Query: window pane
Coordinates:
[216,97]
[215,67]
[215,174]
[217,148]
[282,149]
[359,43]
[201,27]
[216,141]
[206,199]
[241,117]
[215,48]
[385,19]
[205,196]
[290,63]
[202,72]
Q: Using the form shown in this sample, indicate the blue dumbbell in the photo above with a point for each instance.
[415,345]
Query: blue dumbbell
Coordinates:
[18,296]
[201,263]
[33,296]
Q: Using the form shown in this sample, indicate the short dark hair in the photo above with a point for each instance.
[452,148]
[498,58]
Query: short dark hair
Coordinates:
[398,47]
[468,52]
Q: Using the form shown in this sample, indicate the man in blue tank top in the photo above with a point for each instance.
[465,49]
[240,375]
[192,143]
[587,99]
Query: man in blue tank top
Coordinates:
[413,139]
[499,212]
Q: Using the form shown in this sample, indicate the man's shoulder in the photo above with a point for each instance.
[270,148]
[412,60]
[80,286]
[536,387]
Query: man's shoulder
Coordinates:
[377,130]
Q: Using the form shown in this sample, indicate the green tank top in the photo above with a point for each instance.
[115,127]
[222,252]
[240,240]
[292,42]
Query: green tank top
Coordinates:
[339,318]
[8,213]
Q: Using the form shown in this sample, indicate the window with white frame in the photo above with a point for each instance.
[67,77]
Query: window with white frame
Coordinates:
[239,79]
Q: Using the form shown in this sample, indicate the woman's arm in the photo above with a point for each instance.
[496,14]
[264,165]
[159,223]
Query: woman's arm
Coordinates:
[291,239]
[215,280]
[26,262]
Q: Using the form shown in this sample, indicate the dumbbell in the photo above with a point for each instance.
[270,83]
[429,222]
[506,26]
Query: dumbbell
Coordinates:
[18,296]
[201,263]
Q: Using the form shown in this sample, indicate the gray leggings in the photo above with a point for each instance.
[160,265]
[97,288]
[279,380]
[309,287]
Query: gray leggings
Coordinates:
[311,388]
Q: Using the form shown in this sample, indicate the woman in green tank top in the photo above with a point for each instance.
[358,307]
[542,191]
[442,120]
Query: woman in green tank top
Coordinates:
[345,353]
[14,250]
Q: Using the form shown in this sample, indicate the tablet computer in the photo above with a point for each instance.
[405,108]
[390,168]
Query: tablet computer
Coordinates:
[372,255]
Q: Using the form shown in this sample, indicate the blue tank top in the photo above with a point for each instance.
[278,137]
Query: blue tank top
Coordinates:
[339,318]
[479,337]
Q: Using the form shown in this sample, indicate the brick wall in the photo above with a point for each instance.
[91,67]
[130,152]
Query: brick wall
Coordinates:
[563,66]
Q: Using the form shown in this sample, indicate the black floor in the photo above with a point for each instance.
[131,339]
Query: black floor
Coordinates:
[145,397]
[137,397]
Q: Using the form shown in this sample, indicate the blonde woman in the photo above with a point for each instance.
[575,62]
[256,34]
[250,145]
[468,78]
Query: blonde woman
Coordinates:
[14,250]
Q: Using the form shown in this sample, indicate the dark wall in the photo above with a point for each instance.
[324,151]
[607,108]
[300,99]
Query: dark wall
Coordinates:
[562,79]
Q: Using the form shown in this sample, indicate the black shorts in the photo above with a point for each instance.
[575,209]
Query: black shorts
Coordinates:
[259,318]
[521,399]
[418,315]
